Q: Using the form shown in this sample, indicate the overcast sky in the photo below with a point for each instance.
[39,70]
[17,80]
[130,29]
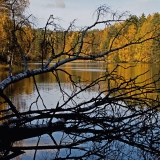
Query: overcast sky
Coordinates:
[82,10]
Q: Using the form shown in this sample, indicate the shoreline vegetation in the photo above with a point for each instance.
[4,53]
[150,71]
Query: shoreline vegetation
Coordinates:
[95,41]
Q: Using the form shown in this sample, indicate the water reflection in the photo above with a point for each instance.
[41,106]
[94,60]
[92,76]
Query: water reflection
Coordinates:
[89,72]
[24,93]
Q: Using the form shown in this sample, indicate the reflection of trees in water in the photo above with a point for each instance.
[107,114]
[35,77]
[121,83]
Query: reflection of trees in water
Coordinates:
[2,107]
[87,73]
[104,118]
[97,126]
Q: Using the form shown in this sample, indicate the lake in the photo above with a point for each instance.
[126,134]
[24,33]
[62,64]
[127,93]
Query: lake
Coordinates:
[24,93]
[87,71]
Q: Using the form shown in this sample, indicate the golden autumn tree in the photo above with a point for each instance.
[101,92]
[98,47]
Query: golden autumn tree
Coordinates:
[13,20]
[126,54]
[3,33]
[143,51]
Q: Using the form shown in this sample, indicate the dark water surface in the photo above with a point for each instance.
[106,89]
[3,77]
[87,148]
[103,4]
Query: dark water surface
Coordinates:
[24,93]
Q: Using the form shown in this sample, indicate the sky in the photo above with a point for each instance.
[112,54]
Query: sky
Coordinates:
[82,10]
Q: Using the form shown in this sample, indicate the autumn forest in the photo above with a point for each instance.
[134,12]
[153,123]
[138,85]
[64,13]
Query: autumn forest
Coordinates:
[95,41]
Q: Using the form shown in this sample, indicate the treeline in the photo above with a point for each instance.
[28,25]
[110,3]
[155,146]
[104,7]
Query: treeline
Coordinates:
[113,36]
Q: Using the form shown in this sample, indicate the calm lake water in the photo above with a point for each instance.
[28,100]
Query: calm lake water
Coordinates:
[87,71]
[23,93]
